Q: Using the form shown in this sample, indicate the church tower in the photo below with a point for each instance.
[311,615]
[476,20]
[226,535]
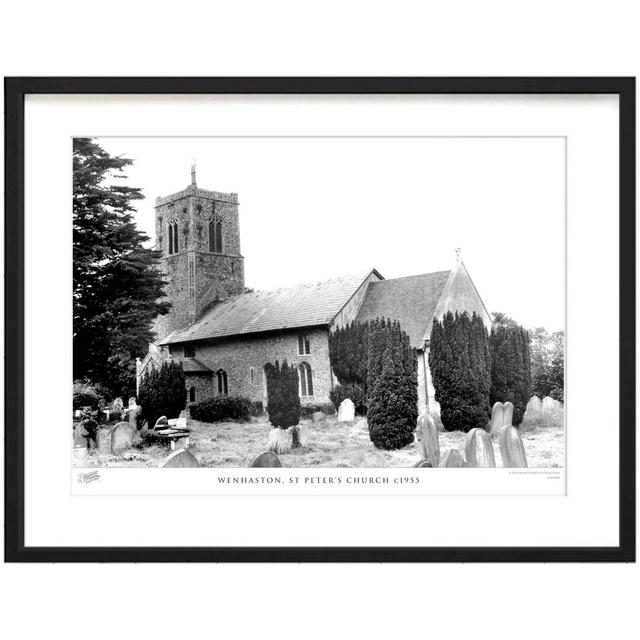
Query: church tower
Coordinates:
[198,235]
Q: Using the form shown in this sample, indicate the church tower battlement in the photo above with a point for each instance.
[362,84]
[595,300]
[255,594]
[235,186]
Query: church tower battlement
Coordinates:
[198,236]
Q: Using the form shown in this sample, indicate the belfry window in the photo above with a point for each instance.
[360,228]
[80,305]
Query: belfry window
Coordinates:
[215,236]
[306,379]
[173,237]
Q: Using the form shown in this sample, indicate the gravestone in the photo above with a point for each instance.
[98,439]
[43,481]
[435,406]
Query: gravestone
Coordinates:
[121,437]
[104,441]
[549,404]
[118,406]
[453,459]
[161,423]
[428,437]
[497,418]
[180,459]
[346,411]
[534,405]
[318,416]
[295,437]
[266,459]
[422,464]
[507,420]
[478,449]
[512,448]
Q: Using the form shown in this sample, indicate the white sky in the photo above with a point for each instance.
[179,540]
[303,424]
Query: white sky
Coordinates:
[314,208]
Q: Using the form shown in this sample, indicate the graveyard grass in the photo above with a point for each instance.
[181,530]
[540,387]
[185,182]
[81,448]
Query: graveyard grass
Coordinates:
[333,444]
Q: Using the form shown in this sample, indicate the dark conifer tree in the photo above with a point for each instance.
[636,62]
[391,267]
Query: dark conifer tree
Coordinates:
[162,392]
[282,395]
[116,286]
[392,409]
[348,354]
[511,368]
[460,365]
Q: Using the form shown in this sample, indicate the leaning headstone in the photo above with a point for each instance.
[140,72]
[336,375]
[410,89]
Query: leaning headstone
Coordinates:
[121,437]
[453,459]
[549,404]
[512,448]
[266,459]
[428,437]
[478,449]
[182,458]
[507,420]
[346,411]
[497,418]
[161,423]
[422,464]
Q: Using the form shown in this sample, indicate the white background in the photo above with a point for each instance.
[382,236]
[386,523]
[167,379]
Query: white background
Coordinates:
[461,38]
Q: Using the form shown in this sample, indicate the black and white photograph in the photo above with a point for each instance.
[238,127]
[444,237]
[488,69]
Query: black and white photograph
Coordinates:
[355,302]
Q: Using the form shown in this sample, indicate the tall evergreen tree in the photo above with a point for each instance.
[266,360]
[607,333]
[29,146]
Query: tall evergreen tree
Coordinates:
[162,392]
[348,354]
[282,394]
[117,289]
[460,365]
[393,395]
[510,368]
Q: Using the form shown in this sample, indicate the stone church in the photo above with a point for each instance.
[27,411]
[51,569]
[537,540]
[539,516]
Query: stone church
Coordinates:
[224,336]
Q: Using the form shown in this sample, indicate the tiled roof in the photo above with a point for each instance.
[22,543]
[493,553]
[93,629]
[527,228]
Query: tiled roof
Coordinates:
[192,365]
[412,301]
[306,305]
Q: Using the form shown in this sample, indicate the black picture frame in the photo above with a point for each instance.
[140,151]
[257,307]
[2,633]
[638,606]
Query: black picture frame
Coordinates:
[15,91]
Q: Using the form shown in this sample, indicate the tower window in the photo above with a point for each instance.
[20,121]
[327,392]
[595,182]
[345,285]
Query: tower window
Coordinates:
[306,379]
[215,236]
[173,237]
[189,350]
[304,346]
[221,376]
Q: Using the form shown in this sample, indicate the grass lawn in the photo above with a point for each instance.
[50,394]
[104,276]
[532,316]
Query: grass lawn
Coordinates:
[331,444]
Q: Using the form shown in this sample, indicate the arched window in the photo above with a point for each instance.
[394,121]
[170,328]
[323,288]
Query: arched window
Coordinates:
[306,379]
[173,237]
[215,236]
[251,374]
[192,394]
[223,389]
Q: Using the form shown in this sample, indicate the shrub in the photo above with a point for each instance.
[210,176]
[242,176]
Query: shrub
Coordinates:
[148,439]
[392,407]
[460,364]
[221,408]
[162,392]
[86,394]
[355,394]
[510,368]
[307,410]
[256,408]
[282,392]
